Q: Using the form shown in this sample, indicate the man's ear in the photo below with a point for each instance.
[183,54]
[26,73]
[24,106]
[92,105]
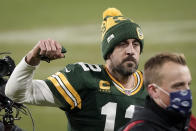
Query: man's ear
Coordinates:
[108,55]
[153,91]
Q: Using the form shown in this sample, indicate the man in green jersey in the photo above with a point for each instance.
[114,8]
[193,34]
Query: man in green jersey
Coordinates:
[94,97]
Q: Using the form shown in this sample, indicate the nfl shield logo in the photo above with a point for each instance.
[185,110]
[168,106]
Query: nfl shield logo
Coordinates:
[128,92]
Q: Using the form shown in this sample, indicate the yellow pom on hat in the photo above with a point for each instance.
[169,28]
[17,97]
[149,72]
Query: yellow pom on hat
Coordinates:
[108,19]
[111,12]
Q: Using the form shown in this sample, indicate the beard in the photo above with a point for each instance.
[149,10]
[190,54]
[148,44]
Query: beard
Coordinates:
[127,67]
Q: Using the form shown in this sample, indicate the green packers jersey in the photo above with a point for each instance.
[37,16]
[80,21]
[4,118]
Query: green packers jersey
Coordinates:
[93,100]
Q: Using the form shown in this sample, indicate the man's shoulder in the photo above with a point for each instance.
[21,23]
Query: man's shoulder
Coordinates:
[140,126]
[83,73]
[82,68]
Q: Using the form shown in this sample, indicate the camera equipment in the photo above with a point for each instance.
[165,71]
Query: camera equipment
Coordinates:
[7,106]
[7,65]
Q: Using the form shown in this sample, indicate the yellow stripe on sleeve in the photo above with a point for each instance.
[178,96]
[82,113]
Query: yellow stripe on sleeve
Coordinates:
[61,91]
[70,88]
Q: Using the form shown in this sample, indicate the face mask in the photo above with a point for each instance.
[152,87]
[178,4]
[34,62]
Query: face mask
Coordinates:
[180,101]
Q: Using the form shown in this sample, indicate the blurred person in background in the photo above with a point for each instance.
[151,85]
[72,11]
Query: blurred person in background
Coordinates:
[94,97]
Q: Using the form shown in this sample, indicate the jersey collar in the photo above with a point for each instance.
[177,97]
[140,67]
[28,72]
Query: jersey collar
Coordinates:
[138,77]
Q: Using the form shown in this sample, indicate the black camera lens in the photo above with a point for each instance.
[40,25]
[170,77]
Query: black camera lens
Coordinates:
[3,68]
[7,66]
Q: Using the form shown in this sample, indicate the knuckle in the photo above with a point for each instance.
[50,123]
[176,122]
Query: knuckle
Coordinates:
[43,50]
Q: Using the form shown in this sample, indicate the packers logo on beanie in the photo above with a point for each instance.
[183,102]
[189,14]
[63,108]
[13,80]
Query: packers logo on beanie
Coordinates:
[116,28]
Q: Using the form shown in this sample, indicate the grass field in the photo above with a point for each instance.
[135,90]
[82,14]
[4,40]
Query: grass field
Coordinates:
[168,26]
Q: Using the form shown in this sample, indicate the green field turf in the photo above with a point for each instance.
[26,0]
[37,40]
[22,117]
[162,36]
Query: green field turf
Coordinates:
[168,25]
[27,14]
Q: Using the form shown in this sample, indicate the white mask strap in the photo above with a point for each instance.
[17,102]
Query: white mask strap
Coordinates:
[161,89]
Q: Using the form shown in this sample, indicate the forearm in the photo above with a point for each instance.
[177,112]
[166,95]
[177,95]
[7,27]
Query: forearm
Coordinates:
[22,88]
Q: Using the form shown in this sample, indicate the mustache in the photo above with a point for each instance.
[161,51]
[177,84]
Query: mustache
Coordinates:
[130,58]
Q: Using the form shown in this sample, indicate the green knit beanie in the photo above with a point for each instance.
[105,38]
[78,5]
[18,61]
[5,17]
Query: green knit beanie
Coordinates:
[116,28]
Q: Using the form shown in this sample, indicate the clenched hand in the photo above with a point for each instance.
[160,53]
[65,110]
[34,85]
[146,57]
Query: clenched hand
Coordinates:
[49,48]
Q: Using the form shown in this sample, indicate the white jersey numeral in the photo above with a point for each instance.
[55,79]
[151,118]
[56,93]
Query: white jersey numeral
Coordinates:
[88,67]
[109,110]
[129,111]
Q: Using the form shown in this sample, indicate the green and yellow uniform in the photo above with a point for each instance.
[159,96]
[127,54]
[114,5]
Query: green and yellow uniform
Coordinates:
[92,99]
